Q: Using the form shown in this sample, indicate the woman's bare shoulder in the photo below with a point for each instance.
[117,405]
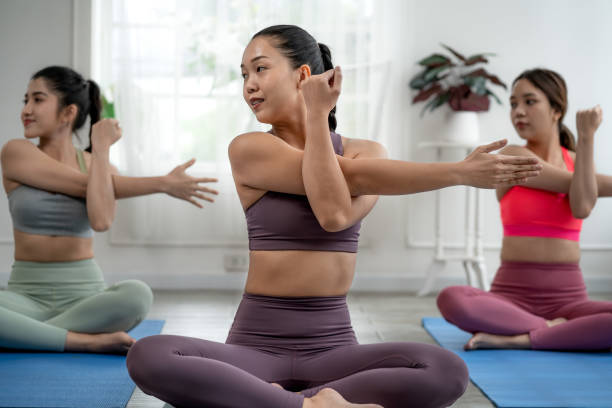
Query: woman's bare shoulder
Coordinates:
[516,150]
[362,148]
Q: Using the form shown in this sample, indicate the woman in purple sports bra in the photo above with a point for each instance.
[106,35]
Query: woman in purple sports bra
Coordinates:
[538,299]
[304,190]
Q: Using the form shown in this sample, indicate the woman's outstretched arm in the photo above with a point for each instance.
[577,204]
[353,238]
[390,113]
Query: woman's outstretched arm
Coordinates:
[265,162]
[24,163]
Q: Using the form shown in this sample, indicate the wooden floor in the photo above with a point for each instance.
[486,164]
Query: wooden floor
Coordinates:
[376,318]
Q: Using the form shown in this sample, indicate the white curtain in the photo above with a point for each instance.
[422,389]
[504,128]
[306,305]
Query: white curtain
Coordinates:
[173,70]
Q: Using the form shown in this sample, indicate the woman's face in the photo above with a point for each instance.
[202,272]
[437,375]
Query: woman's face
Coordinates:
[270,85]
[532,116]
[40,110]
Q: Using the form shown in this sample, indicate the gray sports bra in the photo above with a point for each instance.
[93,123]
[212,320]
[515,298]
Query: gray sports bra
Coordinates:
[42,212]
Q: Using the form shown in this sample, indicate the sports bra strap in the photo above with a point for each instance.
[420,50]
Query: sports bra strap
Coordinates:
[81,161]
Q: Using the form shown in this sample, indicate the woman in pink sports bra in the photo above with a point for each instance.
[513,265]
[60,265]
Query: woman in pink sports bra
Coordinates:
[538,299]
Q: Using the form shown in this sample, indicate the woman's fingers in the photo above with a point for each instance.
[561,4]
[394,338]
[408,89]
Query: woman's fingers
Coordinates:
[203,197]
[488,148]
[194,202]
[187,164]
[517,160]
[337,79]
[207,190]
[517,175]
[206,180]
[510,182]
[514,168]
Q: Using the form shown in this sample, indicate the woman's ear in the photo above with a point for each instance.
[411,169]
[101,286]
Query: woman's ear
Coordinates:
[69,114]
[303,73]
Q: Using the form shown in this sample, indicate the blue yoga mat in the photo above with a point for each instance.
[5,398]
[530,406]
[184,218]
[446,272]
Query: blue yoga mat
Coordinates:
[527,378]
[68,380]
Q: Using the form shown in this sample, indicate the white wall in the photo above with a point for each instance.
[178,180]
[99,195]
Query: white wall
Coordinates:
[556,34]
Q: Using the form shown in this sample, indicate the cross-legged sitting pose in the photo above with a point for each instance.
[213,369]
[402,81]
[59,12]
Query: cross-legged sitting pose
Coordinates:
[538,298]
[304,190]
[56,298]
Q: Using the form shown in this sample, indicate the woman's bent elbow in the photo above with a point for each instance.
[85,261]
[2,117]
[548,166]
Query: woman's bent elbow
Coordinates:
[335,223]
[100,226]
[582,211]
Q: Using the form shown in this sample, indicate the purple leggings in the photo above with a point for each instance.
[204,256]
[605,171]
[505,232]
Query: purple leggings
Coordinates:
[523,296]
[303,344]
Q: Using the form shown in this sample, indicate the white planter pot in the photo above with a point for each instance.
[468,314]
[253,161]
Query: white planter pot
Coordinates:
[444,125]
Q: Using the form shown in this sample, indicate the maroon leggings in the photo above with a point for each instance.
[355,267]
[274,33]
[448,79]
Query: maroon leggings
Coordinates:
[523,296]
[303,344]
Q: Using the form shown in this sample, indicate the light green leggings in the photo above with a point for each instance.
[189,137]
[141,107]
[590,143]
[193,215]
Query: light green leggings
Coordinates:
[45,300]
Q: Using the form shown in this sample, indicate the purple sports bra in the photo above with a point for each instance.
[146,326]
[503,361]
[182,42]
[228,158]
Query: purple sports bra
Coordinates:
[280,221]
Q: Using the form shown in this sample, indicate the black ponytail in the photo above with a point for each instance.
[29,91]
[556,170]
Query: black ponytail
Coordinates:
[71,88]
[95,107]
[301,48]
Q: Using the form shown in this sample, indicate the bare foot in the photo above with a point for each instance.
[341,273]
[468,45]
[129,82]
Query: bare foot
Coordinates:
[495,341]
[556,321]
[277,385]
[115,343]
[328,398]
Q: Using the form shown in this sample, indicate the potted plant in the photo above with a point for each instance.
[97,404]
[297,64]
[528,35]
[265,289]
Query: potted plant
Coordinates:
[463,86]
[459,83]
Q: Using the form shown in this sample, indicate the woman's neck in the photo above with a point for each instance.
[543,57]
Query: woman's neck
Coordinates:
[58,146]
[292,131]
[548,148]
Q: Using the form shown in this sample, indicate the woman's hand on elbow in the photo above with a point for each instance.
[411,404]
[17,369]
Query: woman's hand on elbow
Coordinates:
[485,170]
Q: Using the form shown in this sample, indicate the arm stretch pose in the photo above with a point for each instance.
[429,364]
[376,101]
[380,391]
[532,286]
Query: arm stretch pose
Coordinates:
[56,298]
[538,298]
[305,190]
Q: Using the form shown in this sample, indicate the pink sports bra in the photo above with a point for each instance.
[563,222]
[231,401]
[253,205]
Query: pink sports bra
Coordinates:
[531,212]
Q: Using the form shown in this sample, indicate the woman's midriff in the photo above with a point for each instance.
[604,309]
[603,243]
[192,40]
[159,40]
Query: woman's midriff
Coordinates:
[43,248]
[300,273]
[537,249]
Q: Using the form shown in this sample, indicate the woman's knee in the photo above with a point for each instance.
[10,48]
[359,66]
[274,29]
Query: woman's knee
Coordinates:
[449,300]
[135,298]
[146,359]
[449,376]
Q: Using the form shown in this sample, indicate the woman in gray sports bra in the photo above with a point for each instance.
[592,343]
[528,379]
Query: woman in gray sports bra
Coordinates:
[56,298]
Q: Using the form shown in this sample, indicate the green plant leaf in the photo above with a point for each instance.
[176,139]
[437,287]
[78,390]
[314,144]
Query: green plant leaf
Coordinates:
[417,82]
[434,60]
[108,109]
[494,96]
[440,99]
[432,73]
[478,83]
